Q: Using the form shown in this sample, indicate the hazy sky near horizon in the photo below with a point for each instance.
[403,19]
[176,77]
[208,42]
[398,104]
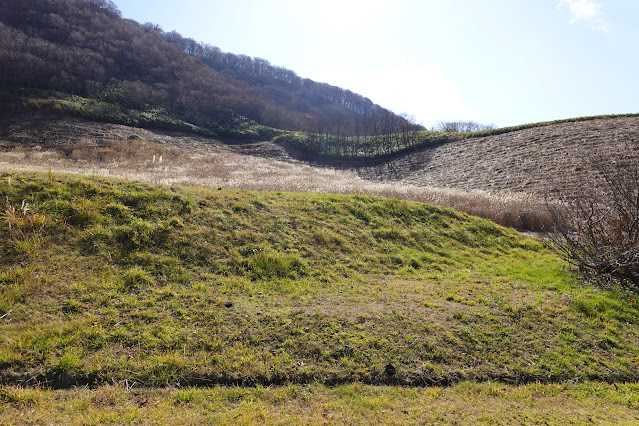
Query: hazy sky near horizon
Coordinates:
[505,62]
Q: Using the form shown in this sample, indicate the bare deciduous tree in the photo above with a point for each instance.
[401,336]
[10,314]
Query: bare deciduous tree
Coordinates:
[461,126]
[596,228]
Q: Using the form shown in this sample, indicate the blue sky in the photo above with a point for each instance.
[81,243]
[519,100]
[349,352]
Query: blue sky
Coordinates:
[505,62]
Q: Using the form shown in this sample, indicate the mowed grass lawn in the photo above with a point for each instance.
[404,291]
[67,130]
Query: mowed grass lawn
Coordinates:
[167,291]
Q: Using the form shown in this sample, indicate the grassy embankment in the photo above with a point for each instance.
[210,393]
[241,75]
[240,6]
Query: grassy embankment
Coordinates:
[105,281]
[117,282]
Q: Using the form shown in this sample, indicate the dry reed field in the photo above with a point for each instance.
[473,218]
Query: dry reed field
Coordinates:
[503,178]
[167,164]
[157,163]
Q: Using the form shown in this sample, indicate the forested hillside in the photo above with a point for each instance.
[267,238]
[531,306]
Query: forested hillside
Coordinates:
[138,74]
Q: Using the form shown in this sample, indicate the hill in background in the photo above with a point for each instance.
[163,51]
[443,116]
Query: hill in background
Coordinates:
[504,177]
[121,71]
[541,160]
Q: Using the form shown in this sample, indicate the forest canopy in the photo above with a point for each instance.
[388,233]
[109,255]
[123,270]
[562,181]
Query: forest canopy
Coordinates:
[86,48]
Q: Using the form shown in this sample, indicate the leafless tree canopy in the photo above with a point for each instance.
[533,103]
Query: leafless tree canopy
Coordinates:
[461,126]
[85,47]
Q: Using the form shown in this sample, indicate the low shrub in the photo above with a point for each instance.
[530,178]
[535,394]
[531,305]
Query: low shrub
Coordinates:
[596,228]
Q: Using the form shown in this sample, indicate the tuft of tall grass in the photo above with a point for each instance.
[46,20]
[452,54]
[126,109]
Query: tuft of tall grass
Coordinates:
[25,228]
[136,278]
[19,396]
[23,218]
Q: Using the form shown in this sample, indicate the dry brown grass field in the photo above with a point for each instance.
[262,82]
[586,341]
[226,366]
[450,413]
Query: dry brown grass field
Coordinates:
[503,178]
[535,161]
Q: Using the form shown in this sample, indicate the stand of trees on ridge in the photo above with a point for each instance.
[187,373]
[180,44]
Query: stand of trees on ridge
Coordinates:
[461,126]
[135,73]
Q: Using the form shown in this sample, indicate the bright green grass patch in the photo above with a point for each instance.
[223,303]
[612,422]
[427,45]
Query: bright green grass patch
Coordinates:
[163,286]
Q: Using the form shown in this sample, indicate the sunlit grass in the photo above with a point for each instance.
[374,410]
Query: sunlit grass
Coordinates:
[467,403]
[163,286]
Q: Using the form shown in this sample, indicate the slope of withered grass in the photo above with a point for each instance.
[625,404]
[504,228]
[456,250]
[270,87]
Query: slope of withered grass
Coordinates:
[161,163]
[536,160]
[467,403]
[156,286]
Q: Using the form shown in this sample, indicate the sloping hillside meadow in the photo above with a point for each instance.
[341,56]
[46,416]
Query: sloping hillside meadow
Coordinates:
[190,236]
[150,295]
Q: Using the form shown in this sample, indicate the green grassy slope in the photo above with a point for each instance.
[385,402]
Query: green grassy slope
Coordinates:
[104,281]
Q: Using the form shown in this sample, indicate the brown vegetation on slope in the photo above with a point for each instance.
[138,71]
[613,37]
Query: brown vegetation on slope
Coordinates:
[503,178]
[535,161]
[137,74]
[44,142]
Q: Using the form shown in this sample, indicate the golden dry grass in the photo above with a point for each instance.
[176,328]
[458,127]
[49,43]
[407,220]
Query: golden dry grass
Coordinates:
[165,164]
[536,160]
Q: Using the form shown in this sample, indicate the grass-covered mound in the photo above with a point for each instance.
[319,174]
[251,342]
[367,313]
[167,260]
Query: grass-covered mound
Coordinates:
[104,281]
